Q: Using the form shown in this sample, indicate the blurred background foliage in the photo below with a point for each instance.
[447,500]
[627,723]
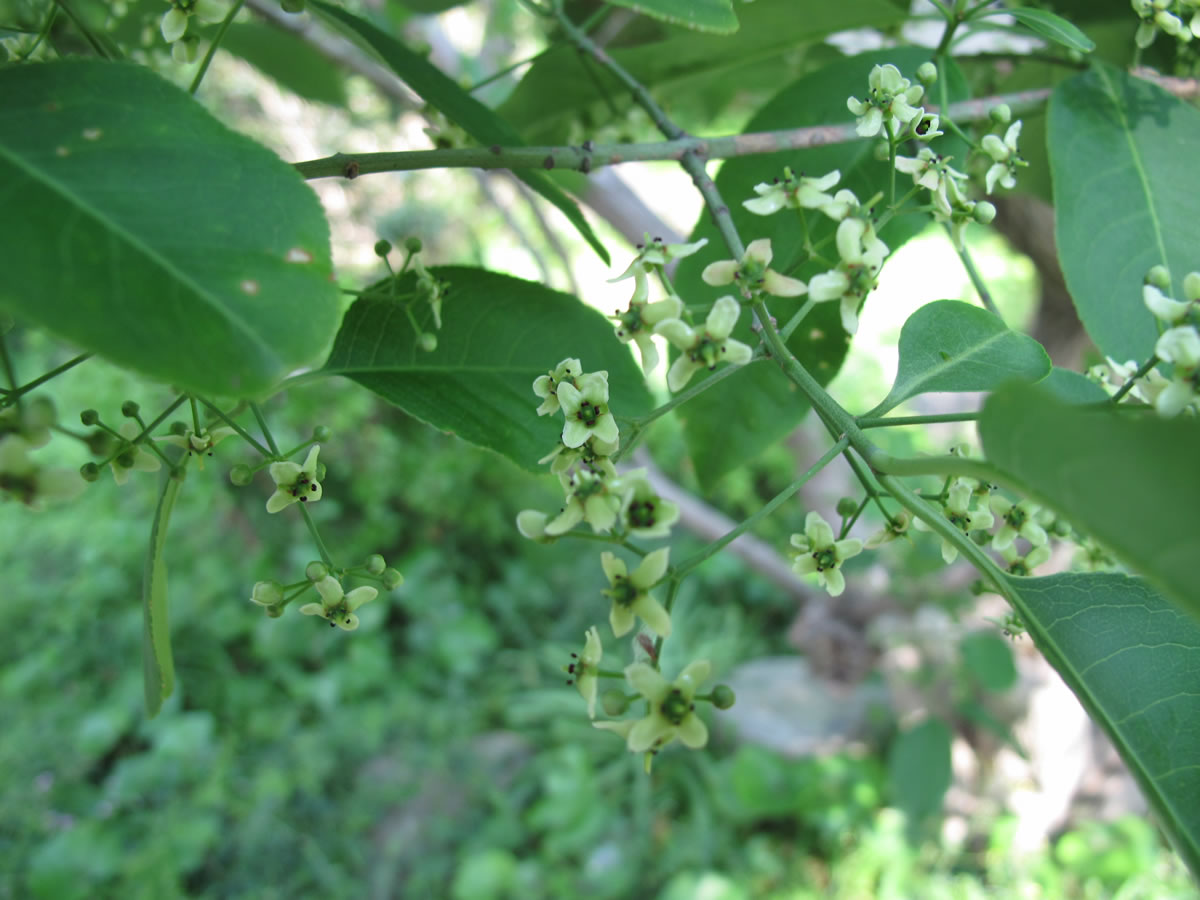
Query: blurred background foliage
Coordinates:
[436,751]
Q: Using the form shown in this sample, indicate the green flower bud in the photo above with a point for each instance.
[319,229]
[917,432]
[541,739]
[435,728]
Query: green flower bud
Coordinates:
[846,507]
[1191,287]
[392,579]
[927,73]
[427,341]
[376,564]
[89,471]
[881,151]
[129,409]
[984,212]
[99,442]
[723,696]
[89,417]
[322,433]
[267,593]
[240,475]
[178,428]
[1001,114]
[383,248]
[315,571]
[125,459]
[412,244]
[1160,278]
[614,702]
[292,6]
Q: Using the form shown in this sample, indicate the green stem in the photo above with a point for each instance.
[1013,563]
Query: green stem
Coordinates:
[262,423]
[973,274]
[10,373]
[316,535]
[42,379]
[794,322]
[103,51]
[1141,372]
[866,422]
[41,35]
[242,432]
[216,42]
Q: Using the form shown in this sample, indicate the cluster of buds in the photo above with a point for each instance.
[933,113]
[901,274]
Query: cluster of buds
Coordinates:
[185,48]
[337,606]
[1168,17]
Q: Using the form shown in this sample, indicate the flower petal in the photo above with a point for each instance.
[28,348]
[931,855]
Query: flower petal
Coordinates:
[693,732]
[719,273]
[647,681]
[722,317]
[653,614]
[649,732]
[621,619]
[651,569]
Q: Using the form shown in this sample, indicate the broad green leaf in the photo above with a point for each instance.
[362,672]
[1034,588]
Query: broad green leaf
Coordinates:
[441,92]
[562,87]
[738,418]
[919,768]
[1048,25]
[1122,151]
[1133,660]
[498,334]
[1127,478]
[1071,387]
[158,668]
[703,15]
[950,346]
[290,60]
[988,657]
[150,233]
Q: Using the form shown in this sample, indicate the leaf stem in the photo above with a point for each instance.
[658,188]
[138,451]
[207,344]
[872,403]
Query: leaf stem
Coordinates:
[973,274]
[216,42]
[242,432]
[884,422]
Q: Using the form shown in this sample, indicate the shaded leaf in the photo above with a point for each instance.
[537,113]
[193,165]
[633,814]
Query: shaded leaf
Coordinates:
[988,657]
[498,334]
[703,15]
[441,92]
[1125,477]
[919,768]
[1122,151]
[287,58]
[158,667]
[152,234]
[1071,387]
[1046,24]
[952,346]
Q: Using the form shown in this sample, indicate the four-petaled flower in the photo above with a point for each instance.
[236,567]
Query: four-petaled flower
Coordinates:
[1016,519]
[958,511]
[583,669]
[336,606]
[1004,158]
[644,513]
[818,552]
[630,593]
[704,348]
[890,94]
[672,713]
[1179,346]
[585,408]
[174,20]
[199,444]
[753,272]
[792,192]
[546,386]
[294,483]
[862,254]
[637,324]
[589,499]
[1024,565]
[656,253]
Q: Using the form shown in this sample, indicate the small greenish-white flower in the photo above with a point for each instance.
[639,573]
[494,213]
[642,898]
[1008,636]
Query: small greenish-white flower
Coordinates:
[792,193]
[1091,557]
[897,528]
[593,453]
[590,498]
[338,607]
[546,386]
[934,173]
[1179,346]
[704,348]
[532,525]
[630,593]
[925,127]
[862,256]
[672,713]
[1163,307]
[655,253]
[1016,519]
[644,513]
[199,444]
[1004,158]
[889,94]
[25,479]
[817,552]
[1023,565]
[175,20]
[637,324]
[583,669]
[585,408]
[134,458]
[958,511]
[753,272]
[294,483]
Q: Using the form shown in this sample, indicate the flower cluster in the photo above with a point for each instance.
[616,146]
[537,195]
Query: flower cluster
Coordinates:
[890,105]
[337,606]
[1166,16]
[174,25]
[22,430]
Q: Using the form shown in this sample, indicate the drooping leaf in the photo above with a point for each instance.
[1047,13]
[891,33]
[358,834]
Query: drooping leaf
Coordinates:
[498,334]
[951,346]
[562,87]
[1133,660]
[1125,184]
[738,418]
[158,667]
[919,768]
[1127,478]
[150,233]
[702,15]
[289,59]
[477,120]
[1046,24]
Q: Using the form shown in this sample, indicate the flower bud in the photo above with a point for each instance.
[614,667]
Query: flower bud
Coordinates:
[240,475]
[322,433]
[1160,277]
[376,564]
[292,6]
[129,409]
[267,593]
[723,696]
[383,248]
[881,151]
[614,702]
[427,341]
[984,212]
[1191,287]
[392,579]
[846,507]
[89,417]
[89,472]
[179,429]
[1001,114]
[927,73]
[412,244]
[315,571]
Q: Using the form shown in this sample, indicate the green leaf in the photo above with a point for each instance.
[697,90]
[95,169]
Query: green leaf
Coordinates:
[1133,660]
[738,418]
[919,768]
[1122,152]
[1047,25]
[1071,387]
[150,233]
[1125,477]
[989,658]
[702,15]
[158,668]
[498,334]
[950,346]
[563,87]
[432,85]
[288,59]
